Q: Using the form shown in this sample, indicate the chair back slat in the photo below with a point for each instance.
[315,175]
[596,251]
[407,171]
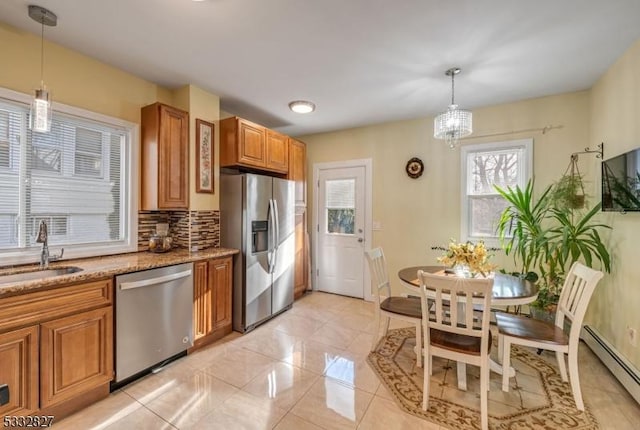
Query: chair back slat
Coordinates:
[576,293]
[469,316]
[378,270]
[439,308]
[459,294]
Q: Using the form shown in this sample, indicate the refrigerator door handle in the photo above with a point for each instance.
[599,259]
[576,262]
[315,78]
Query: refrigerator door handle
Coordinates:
[271,237]
[277,234]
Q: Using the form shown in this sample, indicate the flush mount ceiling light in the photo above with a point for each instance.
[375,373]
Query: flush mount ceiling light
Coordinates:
[40,115]
[454,123]
[302,106]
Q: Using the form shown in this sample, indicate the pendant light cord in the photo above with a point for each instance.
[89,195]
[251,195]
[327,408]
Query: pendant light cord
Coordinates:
[42,54]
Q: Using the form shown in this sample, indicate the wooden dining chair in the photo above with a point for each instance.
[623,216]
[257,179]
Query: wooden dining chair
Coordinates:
[453,331]
[574,299]
[387,306]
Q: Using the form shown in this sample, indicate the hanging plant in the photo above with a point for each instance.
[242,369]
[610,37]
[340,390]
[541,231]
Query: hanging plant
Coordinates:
[568,192]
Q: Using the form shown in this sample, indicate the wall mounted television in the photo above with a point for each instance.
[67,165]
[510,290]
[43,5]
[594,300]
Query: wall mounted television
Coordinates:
[621,182]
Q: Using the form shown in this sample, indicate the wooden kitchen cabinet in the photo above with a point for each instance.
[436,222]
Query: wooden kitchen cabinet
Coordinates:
[202,299]
[19,370]
[56,348]
[165,157]
[298,170]
[300,265]
[220,273]
[245,144]
[212,307]
[76,355]
[298,174]
[277,156]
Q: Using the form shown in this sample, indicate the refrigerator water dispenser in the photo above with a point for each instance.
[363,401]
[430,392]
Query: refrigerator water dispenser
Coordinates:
[259,233]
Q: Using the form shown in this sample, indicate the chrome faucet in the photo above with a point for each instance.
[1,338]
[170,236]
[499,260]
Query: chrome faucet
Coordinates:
[43,238]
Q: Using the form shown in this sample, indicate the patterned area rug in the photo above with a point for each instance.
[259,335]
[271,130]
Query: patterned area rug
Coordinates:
[537,397]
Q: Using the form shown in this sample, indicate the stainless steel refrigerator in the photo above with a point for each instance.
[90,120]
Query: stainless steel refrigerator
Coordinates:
[257,217]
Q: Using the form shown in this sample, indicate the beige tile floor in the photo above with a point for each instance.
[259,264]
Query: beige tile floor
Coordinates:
[305,369]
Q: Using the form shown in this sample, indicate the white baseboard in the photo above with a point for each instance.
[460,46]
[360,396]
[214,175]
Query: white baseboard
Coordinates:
[625,372]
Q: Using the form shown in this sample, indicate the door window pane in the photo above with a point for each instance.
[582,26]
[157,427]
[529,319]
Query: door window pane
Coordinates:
[340,204]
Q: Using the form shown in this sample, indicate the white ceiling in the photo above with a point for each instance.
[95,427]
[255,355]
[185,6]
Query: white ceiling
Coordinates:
[360,61]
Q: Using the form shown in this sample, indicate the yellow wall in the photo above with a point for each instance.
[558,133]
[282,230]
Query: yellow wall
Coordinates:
[416,214]
[615,114]
[419,213]
[205,106]
[73,78]
[81,81]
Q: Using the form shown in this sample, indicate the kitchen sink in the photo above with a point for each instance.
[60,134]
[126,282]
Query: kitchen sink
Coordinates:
[37,274]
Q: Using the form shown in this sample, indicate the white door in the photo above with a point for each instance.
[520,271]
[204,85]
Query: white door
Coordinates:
[340,231]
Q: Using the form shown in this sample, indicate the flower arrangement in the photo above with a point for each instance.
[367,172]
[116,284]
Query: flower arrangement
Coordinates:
[475,256]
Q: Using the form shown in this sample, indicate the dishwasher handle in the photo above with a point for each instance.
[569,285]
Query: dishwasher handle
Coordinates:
[154,281]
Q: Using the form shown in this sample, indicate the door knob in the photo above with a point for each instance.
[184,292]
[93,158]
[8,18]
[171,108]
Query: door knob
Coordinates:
[360,240]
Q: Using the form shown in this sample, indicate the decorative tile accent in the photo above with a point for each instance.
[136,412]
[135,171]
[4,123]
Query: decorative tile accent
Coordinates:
[179,228]
[194,230]
[205,230]
[147,221]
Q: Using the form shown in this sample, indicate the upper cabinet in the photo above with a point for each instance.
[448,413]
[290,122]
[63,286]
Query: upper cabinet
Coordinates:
[246,144]
[298,170]
[277,151]
[165,157]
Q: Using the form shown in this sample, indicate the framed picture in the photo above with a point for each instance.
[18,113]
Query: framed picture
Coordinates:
[204,156]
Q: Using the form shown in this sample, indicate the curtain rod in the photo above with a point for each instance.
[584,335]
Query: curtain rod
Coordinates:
[543,130]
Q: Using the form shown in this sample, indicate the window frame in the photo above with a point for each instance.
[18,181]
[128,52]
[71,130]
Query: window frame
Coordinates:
[465,208]
[130,211]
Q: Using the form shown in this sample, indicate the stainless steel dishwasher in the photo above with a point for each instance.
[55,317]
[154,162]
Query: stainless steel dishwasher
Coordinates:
[154,318]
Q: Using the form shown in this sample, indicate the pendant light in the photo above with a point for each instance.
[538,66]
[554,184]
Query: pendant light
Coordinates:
[454,123]
[40,114]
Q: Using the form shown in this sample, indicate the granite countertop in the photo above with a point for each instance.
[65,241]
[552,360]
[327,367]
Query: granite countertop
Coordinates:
[102,267]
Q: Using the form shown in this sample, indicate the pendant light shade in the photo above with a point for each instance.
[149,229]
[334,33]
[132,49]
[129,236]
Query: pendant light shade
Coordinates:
[454,123]
[41,112]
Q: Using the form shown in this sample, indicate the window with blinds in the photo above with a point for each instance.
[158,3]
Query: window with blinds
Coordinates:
[74,178]
[341,204]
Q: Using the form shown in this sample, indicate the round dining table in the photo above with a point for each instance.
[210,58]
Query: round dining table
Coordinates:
[508,290]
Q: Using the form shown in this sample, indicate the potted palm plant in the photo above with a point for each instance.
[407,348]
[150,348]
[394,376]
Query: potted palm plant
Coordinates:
[545,239]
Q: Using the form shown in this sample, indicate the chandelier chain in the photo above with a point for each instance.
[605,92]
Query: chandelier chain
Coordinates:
[453,75]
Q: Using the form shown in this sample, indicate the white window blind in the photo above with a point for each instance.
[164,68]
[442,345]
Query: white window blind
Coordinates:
[340,204]
[75,178]
[341,193]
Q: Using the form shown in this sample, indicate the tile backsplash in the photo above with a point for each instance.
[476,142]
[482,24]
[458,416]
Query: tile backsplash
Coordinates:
[194,230]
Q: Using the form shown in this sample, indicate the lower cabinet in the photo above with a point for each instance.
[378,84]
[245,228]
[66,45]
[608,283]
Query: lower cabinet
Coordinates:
[300,269]
[212,307]
[19,370]
[75,355]
[56,349]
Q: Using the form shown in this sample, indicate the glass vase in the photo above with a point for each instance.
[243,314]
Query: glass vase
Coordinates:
[462,271]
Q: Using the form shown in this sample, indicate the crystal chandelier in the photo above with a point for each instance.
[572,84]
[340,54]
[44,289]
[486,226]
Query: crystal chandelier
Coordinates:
[40,115]
[454,123]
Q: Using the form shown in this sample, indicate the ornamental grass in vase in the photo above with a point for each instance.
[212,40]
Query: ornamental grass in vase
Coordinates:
[467,259]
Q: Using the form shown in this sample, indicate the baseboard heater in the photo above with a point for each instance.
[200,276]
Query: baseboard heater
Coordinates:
[624,371]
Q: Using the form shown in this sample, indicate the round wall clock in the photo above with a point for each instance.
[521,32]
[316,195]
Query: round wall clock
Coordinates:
[414,168]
